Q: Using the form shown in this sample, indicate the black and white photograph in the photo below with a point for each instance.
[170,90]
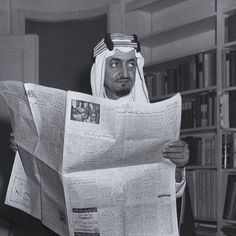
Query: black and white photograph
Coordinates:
[146,145]
[85,111]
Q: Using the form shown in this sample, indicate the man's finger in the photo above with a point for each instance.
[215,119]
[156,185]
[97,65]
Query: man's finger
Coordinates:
[175,156]
[174,150]
[178,143]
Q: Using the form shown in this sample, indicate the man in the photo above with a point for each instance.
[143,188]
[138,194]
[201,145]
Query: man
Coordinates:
[118,74]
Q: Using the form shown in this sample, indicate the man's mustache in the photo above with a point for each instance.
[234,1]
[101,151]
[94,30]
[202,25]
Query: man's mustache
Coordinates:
[121,79]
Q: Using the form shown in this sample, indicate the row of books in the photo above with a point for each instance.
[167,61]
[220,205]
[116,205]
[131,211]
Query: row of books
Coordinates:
[229,150]
[202,190]
[230,199]
[230,28]
[230,69]
[228,116]
[201,150]
[204,229]
[199,111]
[196,72]
[229,230]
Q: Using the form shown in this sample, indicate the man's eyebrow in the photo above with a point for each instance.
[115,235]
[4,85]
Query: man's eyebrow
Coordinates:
[121,59]
[116,59]
[132,60]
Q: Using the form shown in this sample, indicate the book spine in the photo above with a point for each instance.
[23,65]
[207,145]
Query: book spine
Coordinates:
[232,68]
[234,151]
[204,110]
[193,78]
[148,80]
[200,70]
[226,78]
[231,28]
[207,70]
[210,109]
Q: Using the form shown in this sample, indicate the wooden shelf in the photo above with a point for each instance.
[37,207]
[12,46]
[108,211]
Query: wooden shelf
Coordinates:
[228,89]
[228,130]
[194,167]
[229,170]
[229,11]
[203,219]
[208,129]
[196,91]
[150,5]
[229,221]
[230,45]
[180,56]
[177,32]
[185,93]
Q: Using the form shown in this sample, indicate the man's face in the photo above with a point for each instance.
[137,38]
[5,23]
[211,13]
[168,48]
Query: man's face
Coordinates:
[120,74]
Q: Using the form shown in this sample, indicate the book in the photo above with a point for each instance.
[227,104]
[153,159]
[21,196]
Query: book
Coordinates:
[204,109]
[199,70]
[194,72]
[201,150]
[193,75]
[148,82]
[202,190]
[207,69]
[171,79]
[232,110]
[205,231]
[226,79]
[228,150]
[230,199]
[232,68]
[229,230]
[231,28]
[199,111]
[228,109]
[224,119]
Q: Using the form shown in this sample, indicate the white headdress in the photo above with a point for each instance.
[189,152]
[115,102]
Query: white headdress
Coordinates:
[106,48]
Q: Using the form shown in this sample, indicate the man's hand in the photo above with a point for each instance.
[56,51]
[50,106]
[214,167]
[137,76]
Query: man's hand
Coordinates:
[177,152]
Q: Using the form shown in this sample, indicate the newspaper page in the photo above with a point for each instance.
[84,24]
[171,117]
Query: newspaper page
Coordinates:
[22,192]
[48,107]
[22,123]
[25,174]
[89,166]
[103,133]
[126,187]
[45,199]
[48,110]
[132,200]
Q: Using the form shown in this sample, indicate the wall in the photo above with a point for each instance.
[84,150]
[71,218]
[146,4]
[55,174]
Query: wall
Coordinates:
[14,12]
[13,15]
[65,51]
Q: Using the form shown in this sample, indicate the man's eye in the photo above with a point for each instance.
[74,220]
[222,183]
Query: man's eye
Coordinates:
[131,64]
[115,64]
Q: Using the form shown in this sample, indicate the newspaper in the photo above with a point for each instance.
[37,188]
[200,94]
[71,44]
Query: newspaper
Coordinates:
[92,166]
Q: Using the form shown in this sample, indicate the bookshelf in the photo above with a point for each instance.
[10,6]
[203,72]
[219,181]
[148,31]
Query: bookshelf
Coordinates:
[194,52]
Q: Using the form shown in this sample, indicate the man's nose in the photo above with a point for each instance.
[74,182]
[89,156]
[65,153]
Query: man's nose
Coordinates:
[124,71]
